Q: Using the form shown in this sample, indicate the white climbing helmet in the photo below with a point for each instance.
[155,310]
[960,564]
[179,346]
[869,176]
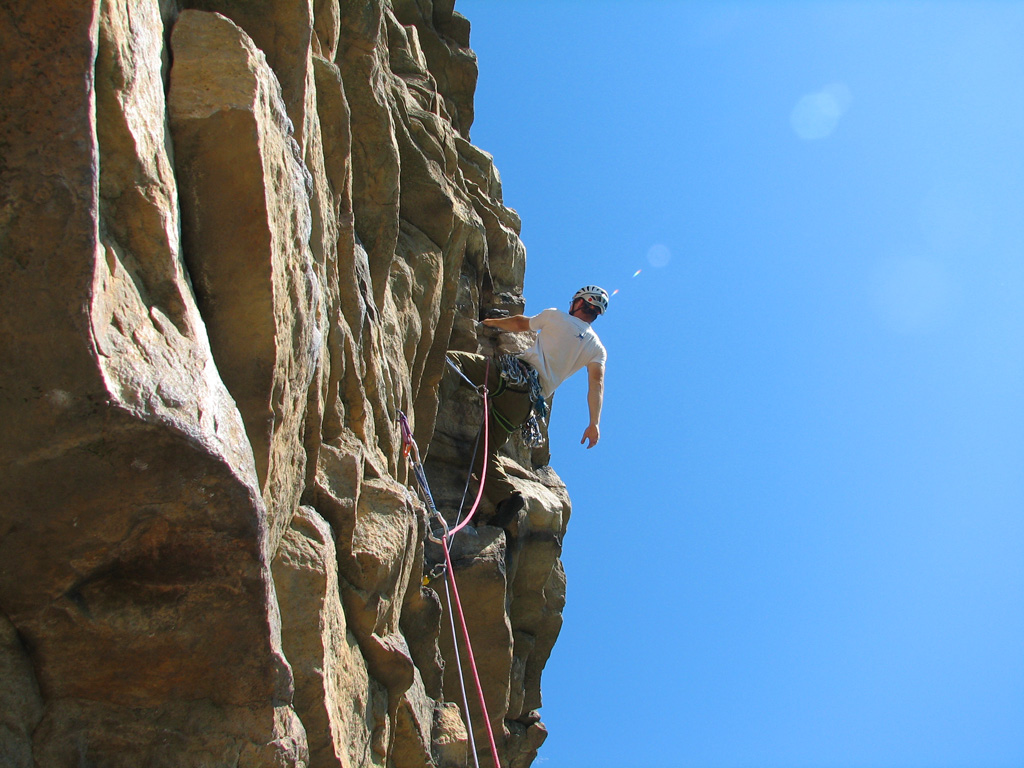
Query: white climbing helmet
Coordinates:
[595,296]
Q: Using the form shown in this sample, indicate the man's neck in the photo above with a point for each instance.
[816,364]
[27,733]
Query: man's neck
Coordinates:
[588,319]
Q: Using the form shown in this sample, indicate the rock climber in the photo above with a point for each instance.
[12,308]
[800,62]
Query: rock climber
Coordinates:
[521,386]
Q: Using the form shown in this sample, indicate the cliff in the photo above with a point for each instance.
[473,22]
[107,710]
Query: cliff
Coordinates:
[236,240]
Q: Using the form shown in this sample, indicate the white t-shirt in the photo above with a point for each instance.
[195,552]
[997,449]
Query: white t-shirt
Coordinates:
[564,345]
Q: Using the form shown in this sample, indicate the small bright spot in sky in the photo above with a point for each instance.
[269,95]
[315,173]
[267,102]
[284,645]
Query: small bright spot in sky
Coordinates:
[658,255]
[637,272]
[816,115]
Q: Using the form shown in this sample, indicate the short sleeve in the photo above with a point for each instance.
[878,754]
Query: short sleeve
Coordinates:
[539,320]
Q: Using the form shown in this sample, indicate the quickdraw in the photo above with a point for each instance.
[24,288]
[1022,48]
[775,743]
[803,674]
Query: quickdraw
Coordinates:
[436,571]
[436,525]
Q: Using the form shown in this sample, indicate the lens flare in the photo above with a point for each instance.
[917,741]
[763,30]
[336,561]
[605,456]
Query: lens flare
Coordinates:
[816,115]
[658,255]
[637,272]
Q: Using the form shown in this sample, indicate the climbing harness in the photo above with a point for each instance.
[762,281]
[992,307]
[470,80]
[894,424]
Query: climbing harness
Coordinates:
[518,373]
[441,533]
[514,372]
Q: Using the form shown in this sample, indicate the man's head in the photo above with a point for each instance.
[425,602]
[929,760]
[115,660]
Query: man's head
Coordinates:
[589,302]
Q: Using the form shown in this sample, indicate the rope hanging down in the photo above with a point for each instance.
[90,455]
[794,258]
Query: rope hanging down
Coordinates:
[411,451]
[462,679]
[472,660]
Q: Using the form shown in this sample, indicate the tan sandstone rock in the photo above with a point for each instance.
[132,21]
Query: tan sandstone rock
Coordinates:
[236,240]
[333,696]
[246,228]
[133,541]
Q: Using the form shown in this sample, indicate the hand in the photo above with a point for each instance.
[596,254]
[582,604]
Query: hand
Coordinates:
[591,433]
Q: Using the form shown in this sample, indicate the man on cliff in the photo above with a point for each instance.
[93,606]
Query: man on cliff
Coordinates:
[521,385]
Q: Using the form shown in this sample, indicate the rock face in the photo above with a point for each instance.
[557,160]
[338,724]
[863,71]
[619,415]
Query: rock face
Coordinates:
[236,240]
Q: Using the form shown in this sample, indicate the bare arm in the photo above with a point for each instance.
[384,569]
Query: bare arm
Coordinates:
[595,399]
[514,324]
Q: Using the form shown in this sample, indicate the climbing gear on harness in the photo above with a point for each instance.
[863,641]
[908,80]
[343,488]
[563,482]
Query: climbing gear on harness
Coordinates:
[530,430]
[594,295]
[518,373]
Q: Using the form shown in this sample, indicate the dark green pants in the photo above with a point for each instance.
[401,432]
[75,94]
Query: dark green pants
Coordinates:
[509,409]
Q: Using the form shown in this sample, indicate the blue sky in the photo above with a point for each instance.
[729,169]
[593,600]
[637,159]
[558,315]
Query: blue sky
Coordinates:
[800,542]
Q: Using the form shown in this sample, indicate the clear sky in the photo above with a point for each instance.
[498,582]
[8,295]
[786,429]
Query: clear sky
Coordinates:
[800,542]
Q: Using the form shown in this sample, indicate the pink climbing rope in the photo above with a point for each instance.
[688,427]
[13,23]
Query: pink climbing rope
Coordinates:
[451,575]
[469,653]
[446,546]
[483,466]
[462,679]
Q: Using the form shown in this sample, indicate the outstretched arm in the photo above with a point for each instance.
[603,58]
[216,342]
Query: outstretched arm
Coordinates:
[514,324]
[595,399]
